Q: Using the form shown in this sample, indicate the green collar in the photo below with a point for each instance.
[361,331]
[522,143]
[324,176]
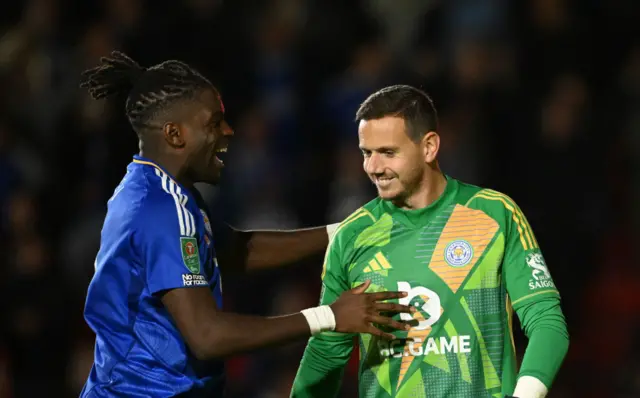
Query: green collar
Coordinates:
[416,218]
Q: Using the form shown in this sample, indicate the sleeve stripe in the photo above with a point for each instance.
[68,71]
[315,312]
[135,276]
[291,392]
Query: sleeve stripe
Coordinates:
[515,219]
[185,218]
[177,192]
[193,221]
[525,224]
[177,197]
[189,220]
[526,237]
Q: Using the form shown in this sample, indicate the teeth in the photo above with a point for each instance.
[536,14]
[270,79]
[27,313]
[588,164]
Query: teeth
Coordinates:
[221,150]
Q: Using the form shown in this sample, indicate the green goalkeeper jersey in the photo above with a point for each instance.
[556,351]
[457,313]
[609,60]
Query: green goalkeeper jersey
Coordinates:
[467,261]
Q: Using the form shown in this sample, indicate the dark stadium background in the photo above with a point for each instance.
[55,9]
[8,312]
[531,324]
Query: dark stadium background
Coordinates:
[538,99]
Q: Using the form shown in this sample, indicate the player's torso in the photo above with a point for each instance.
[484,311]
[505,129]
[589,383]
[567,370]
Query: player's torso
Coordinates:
[138,338]
[197,242]
[451,269]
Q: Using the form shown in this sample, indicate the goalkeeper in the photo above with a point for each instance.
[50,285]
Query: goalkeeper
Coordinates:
[467,258]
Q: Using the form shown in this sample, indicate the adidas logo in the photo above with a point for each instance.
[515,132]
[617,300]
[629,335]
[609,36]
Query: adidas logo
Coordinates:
[378,263]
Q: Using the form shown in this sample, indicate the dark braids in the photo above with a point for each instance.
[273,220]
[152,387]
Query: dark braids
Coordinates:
[149,91]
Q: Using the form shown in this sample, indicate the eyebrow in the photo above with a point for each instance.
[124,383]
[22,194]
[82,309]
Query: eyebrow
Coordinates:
[380,149]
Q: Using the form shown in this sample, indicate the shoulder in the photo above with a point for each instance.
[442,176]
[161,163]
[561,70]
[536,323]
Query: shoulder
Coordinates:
[354,228]
[163,205]
[497,205]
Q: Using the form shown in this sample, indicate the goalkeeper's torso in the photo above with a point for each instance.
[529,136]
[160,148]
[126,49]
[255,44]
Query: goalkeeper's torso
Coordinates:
[448,257]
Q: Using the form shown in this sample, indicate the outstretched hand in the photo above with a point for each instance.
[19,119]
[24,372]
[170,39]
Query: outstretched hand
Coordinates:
[356,311]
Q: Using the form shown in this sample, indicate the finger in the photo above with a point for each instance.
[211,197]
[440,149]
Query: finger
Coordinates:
[361,288]
[379,296]
[377,332]
[391,307]
[383,320]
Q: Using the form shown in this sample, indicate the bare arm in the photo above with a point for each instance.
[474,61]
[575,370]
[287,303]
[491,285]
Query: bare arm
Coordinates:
[211,333]
[255,250]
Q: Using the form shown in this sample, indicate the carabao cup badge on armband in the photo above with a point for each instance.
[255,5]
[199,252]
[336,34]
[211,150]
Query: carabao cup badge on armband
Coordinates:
[190,255]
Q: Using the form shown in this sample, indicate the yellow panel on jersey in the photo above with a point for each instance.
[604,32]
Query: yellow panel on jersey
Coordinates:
[462,242]
[527,237]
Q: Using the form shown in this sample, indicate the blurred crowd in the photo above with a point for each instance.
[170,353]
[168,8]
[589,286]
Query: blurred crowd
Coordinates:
[539,99]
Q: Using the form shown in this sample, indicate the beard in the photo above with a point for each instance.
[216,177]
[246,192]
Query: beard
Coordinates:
[397,187]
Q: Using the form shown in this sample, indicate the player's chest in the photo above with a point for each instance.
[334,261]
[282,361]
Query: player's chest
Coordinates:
[438,258]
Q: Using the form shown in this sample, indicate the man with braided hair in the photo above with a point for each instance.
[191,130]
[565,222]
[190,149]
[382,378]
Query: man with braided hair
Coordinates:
[155,299]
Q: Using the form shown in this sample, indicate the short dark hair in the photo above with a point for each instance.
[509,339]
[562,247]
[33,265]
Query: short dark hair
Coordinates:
[411,104]
[149,90]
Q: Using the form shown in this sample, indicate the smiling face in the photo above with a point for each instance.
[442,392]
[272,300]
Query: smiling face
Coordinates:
[200,136]
[397,165]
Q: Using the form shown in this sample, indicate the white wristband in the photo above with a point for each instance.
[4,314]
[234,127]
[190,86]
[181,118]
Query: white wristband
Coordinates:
[530,387]
[331,230]
[320,319]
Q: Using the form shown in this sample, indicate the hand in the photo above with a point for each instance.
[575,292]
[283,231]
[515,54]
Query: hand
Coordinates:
[355,311]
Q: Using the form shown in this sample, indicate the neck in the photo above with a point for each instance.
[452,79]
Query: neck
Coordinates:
[171,164]
[431,188]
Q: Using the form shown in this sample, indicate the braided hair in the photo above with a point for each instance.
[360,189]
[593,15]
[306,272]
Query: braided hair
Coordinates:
[149,91]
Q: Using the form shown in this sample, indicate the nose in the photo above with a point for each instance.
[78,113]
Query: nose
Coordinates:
[373,165]
[227,131]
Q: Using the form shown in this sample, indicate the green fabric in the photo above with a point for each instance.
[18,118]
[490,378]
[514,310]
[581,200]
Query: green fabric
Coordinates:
[464,260]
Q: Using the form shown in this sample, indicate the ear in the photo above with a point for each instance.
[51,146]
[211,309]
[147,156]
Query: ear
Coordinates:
[430,146]
[173,135]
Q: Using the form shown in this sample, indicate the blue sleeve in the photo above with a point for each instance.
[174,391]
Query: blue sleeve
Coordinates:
[171,252]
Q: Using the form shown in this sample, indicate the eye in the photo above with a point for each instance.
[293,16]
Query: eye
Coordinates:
[366,153]
[215,124]
[389,153]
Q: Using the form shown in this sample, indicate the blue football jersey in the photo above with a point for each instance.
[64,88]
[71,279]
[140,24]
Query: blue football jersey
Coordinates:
[156,236]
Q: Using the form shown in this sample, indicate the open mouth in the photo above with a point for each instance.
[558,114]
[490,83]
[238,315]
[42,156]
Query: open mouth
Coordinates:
[217,159]
[384,182]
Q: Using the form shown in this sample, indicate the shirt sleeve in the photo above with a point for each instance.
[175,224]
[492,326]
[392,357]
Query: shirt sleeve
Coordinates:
[526,274]
[545,326]
[535,299]
[322,365]
[170,247]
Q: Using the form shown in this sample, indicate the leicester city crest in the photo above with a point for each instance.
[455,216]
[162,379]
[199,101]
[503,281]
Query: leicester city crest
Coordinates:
[458,253]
